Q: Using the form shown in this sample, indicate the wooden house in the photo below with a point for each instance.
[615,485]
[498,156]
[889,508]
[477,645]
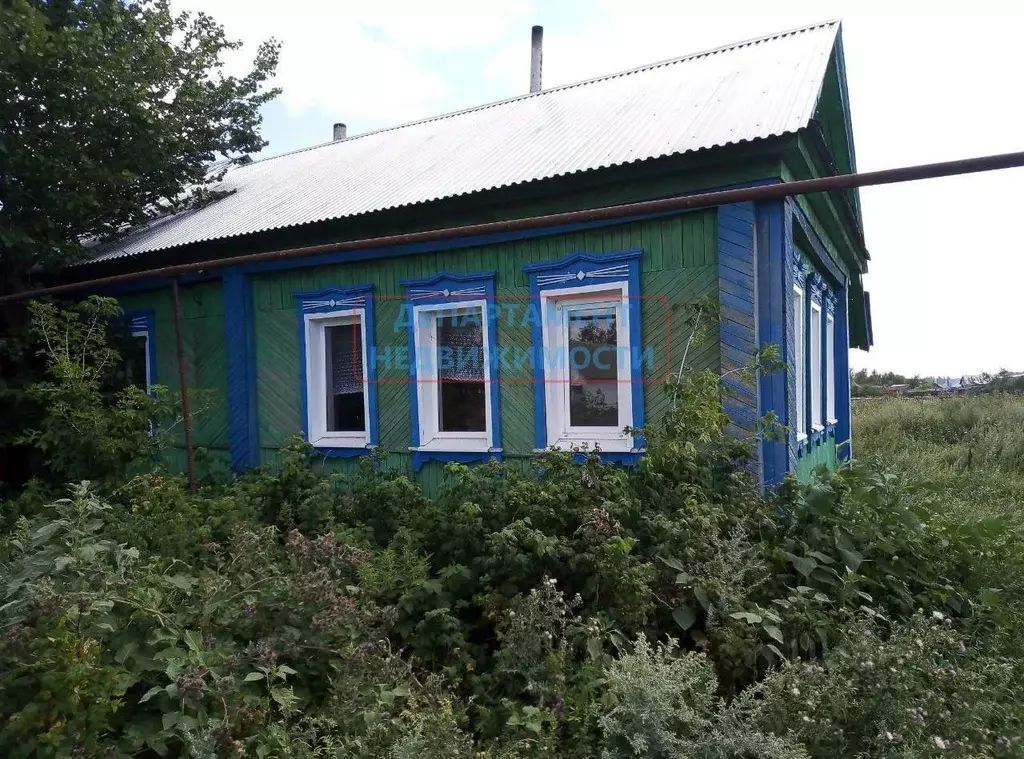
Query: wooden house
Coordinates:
[465,348]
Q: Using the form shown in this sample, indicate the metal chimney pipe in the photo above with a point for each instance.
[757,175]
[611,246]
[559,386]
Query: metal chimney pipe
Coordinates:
[340,131]
[536,57]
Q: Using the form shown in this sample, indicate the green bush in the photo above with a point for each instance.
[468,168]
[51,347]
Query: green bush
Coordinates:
[559,607]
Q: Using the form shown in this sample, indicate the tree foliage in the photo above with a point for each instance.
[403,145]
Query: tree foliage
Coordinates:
[111,110]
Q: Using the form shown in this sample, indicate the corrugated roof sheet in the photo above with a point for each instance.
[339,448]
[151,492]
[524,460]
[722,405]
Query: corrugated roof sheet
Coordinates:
[747,91]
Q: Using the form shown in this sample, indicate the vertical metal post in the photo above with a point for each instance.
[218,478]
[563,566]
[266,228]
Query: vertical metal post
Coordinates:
[183,380]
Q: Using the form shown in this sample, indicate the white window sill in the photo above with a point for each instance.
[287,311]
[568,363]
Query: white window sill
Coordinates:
[609,445]
[817,427]
[455,445]
[339,441]
[832,422]
[800,437]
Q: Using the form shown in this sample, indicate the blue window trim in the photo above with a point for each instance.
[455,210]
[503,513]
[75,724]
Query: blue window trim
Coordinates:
[448,288]
[325,301]
[144,320]
[820,257]
[583,268]
[817,291]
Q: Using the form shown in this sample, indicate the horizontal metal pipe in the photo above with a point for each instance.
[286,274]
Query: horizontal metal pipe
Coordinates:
[664,205]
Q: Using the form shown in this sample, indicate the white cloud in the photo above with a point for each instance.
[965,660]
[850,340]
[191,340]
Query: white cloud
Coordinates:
[365,62]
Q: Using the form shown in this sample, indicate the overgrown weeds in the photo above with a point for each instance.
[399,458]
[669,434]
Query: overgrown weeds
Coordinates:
[565,609]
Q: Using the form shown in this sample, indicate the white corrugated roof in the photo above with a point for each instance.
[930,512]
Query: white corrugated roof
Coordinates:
[748,91]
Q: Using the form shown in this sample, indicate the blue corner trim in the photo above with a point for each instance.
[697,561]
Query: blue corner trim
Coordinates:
[419,458]
[243,426]
[585,268]
[325,301]
[737,253]
[844,409]
[448,288]
[773,310]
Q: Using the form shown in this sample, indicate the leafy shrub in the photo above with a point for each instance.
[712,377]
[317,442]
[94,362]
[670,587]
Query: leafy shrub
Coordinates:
[558,607]
[83,432]
[913,692]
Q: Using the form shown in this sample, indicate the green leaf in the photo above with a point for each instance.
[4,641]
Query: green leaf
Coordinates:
[283,696]
[775,633]
[821,557]
[684,617]
[748,616]
[851,559]
[170,719]
[672,564]
[286,669]
[702,598]
[991,597]
[253,677]
[150,693]
[193,640]
[803,565]
[48,530]
[775,650]
[181,582]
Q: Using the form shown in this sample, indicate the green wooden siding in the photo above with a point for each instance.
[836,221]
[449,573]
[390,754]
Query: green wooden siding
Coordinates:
[202,307]
[822,453]
[678,266]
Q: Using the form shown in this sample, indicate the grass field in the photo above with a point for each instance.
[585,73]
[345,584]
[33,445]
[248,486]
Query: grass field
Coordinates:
[961,458]
[965,454]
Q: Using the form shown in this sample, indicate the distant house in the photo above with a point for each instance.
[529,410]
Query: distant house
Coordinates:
[971,383]
[497,345]
[898,390]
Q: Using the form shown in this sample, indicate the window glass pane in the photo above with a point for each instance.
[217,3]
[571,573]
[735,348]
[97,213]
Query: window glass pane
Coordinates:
[131,370]
[593,368]
[135,356]
[462,403]
[346,411]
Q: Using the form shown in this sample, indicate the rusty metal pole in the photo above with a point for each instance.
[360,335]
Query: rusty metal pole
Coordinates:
[186,412]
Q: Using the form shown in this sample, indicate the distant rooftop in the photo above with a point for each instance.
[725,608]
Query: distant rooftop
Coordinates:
[739,93]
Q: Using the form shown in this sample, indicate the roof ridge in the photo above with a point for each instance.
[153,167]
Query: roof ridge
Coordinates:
[483,106]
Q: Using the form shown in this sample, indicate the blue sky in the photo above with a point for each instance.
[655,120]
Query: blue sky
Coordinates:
[928,82]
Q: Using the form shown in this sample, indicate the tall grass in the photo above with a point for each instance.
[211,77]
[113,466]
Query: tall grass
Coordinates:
[967,451]
[962,458]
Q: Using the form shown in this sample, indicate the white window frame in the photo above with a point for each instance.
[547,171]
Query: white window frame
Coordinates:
[431,437]
[830,368]
[144,334]
[799,361]
[816,377]
[315,326]
[556,304]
